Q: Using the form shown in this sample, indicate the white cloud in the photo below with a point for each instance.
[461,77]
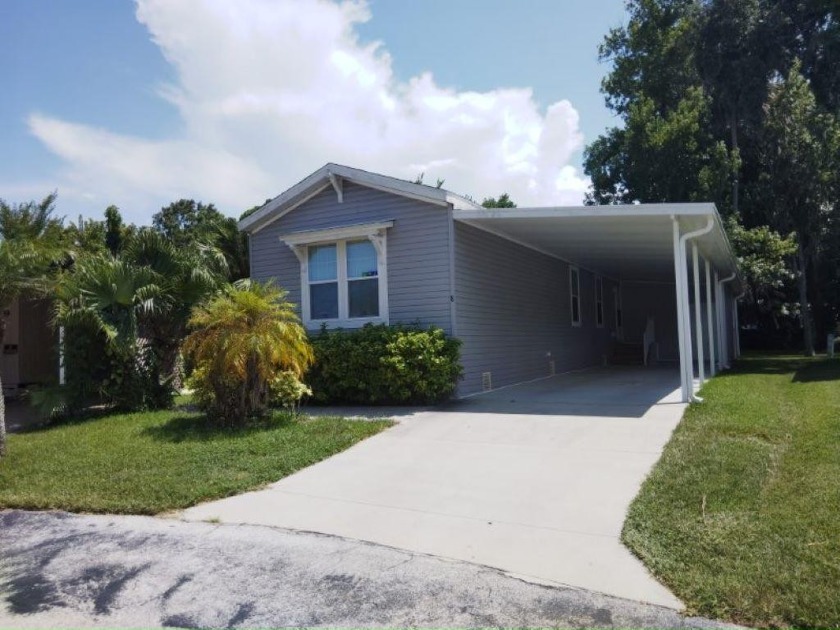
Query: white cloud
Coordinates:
[269,91]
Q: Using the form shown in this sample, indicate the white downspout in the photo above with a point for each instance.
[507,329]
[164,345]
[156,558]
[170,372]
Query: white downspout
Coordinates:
[698,316]
[710,319]
[683,314]
[678,281]
[724,337]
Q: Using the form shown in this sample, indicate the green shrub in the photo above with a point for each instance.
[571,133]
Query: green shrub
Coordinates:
[380,364]
[286,390]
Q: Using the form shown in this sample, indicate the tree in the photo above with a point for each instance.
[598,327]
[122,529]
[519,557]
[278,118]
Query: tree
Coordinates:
[31,240]
[240,340]
[659,157]
[503,201]
[186,276]
[766,258]
[736,61]
[800,157]
[186,220]
[115,231]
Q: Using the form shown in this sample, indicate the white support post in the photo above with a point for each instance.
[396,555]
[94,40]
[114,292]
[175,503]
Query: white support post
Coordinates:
[679,263]
[725,331]
[698,318]
[683,306]
[736,328]
[718,333]
[710,319]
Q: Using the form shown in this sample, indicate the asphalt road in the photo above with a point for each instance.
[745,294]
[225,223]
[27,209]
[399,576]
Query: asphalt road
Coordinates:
[60,570]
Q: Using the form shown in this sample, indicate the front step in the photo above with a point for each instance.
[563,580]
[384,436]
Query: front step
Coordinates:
[627,354]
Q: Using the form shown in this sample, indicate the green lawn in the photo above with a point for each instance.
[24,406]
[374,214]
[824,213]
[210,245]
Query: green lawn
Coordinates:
[146,463]
[741,516]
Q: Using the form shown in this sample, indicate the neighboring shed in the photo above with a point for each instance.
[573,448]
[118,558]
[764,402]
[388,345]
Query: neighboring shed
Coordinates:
[529,291]
[30,346]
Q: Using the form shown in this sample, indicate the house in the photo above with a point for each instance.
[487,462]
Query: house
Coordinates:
[529,291]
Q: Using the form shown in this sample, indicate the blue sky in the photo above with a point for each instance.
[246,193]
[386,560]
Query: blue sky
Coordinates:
[113,102]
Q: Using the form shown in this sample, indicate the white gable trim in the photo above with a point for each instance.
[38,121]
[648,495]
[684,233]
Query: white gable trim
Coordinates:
[314,193]
[333,175]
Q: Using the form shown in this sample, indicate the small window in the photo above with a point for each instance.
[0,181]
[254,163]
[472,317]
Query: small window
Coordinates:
[599,301]
[574,290]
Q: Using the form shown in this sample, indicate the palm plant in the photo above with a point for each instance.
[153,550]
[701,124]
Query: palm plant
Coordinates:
[241,340]
[103,300]
[187,275]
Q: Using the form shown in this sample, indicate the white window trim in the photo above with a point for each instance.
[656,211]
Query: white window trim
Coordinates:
[574,271]
[299,243]
[599,301]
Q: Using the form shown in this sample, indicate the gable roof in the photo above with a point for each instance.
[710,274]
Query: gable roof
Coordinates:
[333,175]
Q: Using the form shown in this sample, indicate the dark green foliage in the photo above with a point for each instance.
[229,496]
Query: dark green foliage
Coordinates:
[114,230]
[766,260]
[382,364]
[503,201]
[190,223]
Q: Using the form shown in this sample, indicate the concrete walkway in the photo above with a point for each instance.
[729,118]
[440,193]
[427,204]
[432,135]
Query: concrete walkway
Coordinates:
[534,480]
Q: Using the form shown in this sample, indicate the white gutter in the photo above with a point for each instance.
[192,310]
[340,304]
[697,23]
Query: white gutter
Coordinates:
[683,312]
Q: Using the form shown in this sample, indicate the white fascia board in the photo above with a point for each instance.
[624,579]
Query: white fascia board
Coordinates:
[308,237]
[629,210]
[462,203]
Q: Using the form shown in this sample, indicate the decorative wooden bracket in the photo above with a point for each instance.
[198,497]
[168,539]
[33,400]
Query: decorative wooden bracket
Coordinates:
[337,184]
[378,240]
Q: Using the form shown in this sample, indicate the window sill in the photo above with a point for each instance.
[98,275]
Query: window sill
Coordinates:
[356,322]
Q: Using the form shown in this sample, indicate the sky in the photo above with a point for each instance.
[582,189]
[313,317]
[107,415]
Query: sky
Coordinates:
[142,103]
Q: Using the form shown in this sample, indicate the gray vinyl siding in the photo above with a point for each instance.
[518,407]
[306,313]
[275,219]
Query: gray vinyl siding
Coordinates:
[418,249]
[513,306]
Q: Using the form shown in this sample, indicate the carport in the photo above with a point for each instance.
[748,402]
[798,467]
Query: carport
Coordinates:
[677,275]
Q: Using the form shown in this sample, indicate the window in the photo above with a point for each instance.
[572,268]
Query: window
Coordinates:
[343,281]
[574,290]
[362,280]
[599,301]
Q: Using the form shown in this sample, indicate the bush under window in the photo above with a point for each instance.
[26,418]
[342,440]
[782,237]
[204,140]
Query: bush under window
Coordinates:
[380,364]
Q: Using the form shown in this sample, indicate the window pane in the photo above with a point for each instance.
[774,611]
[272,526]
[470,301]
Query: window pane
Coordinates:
[361,260]
[322,263]
[364,298]
[599,312]
[323,300]
[575,310]
[575,282]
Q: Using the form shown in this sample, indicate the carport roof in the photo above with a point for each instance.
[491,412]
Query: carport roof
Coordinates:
[623,242]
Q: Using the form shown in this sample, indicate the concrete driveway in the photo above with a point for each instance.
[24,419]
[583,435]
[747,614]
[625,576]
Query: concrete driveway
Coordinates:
[534,480]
